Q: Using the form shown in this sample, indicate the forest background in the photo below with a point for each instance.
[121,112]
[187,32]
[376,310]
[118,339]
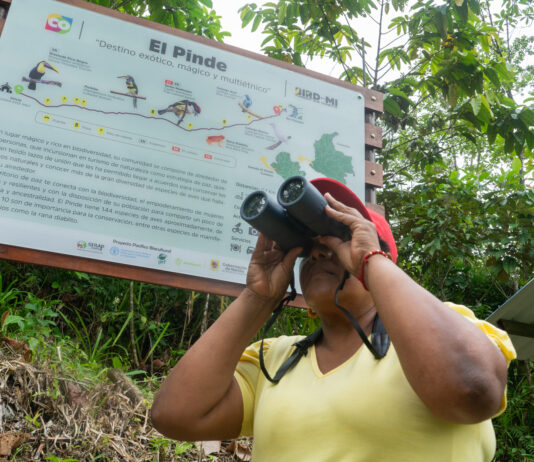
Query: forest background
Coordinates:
[458,129]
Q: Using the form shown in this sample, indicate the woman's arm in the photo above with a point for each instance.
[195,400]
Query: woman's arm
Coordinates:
[452,366]
[200,399]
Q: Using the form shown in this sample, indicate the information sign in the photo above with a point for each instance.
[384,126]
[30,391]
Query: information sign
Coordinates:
[122,143]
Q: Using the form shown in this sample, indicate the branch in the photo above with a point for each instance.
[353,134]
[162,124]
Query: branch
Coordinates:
[118,4]
[413,139]
[360,52]
[416,161]
[375,81]
[132,328]
[336,48]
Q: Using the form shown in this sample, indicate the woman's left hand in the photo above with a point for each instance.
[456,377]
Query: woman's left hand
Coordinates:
[364,235]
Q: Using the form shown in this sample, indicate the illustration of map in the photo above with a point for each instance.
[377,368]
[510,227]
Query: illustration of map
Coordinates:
[329,162]
[127,144]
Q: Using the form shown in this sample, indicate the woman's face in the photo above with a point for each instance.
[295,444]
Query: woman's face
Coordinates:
[320,275]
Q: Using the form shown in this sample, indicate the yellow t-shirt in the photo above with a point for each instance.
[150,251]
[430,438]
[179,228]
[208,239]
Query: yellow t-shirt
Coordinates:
[362,411]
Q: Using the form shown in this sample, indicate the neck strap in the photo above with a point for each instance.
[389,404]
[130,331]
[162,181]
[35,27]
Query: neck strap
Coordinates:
[378,345]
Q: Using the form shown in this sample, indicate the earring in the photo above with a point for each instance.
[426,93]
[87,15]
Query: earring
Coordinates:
[311,314]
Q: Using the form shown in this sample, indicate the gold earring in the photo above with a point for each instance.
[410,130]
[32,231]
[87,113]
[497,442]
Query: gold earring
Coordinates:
[311,314]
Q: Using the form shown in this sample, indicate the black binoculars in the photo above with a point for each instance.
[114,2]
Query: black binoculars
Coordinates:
[297,217]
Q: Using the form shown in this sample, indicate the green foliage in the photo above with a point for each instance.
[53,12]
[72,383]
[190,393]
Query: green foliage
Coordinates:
[195,16]
[59,459]
[514,427]
[166,447]
[26,316]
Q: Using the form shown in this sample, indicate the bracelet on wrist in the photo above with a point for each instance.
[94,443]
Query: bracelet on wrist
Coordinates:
[361,276]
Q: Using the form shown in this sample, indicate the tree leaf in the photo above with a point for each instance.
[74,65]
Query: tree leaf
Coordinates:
[282,10]
[475,6]
[392,107]
[516,165]
[476,104]
[527,116]
[256,23]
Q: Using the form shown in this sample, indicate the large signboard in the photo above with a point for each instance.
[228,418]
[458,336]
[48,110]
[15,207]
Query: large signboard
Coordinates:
[126,144]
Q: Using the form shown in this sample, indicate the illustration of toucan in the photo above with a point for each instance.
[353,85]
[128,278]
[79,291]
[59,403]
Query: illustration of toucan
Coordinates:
[181,108]
[131,86]
[37,73]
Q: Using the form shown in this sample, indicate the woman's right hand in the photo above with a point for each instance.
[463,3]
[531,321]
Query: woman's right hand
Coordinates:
[270,270]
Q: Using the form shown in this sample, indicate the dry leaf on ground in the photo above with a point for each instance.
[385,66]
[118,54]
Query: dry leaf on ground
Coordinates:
[240,450]
[10,441]
[208,447]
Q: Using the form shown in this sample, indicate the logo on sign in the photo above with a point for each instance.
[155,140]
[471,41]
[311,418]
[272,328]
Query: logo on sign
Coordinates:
[315,97]
[58,23]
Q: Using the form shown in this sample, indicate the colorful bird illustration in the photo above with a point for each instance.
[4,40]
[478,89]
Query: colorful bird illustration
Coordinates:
[37,73]
[279,136]
[131,86]
[181,108]
[247,102]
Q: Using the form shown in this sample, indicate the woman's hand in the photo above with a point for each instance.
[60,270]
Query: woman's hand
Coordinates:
[364,235]
[270,270]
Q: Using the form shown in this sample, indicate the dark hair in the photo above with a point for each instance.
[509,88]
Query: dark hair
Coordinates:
[383,245]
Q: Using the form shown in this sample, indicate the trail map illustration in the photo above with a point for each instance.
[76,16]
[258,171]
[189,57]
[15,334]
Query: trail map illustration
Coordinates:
[122,143]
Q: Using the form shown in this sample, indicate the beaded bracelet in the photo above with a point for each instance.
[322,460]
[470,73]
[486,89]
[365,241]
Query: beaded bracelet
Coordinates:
[364,262]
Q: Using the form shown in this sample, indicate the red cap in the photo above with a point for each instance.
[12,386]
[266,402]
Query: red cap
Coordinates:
[345,195]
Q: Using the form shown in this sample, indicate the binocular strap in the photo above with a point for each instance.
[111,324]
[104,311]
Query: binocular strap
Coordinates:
[380,341]
[378,346]
[269,324]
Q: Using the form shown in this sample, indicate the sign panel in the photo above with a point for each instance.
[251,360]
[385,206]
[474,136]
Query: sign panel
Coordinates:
[122,143]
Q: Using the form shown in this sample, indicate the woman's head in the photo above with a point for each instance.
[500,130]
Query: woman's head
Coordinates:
[321,272]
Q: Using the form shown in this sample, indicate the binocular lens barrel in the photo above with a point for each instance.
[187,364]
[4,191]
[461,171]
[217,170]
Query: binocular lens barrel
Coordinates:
[272,220]
[291,190]
[298,215]
[253,205]
[304,202]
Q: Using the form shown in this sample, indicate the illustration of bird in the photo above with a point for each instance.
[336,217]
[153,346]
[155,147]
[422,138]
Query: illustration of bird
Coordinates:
[279,136]
[181,108]
[37,73]
[131,86]
[247,102]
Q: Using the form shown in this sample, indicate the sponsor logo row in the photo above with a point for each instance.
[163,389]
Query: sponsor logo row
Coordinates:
[162,258]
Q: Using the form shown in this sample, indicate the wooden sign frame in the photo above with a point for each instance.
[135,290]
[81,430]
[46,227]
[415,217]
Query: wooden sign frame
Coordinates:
[373,172]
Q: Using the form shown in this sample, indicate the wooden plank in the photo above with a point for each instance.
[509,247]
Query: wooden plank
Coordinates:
[117,270]
[373,136]
[374,174]
[373,99]
[376,208]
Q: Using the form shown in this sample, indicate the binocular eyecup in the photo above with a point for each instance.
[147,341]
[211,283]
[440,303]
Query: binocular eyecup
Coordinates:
[298,216]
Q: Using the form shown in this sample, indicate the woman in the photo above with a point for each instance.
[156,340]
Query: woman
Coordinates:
[429,398]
